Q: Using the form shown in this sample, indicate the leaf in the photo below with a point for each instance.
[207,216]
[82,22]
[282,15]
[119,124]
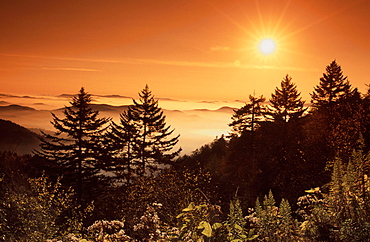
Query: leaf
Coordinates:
[183,226]
[238,227]
[180,215]
[216,226]
[253,237]
[304,225]
[313,190]
[207,229]
[236,240]
[190,207]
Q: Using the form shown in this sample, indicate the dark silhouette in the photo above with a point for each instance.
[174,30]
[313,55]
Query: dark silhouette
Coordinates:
[286,104]
[144,137]
[76,145]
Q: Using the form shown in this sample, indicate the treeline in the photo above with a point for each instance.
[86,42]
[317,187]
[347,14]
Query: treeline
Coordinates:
[93,169]
[284,144]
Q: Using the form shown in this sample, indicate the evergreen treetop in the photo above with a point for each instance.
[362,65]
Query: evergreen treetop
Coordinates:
[286,103]
[333,86]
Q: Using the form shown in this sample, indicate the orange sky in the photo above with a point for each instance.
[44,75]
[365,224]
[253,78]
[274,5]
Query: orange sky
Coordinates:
[186,50]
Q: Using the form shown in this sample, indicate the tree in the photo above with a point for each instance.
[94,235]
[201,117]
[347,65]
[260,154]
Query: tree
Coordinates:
[241,168]
[151,143]
[121,142]
[281,159]
[75,146]
[337,107]
[248,116]
[286,103]
[333,87]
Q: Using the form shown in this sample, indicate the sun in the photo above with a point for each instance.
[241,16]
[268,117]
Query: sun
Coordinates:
[267,46]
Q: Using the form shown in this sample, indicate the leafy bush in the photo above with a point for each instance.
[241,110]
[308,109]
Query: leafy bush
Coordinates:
[45,211]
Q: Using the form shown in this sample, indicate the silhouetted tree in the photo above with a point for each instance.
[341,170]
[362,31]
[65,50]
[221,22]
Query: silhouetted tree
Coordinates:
[148,135]
[121,141]
[248,116]
[286,103]
[337,109]
[75,147]
[333,87]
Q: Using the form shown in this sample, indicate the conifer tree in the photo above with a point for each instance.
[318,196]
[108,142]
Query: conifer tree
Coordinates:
[152,143]
[286,103]
[333,86]
[337,108]
[121,142]
[75,147]
[248,116]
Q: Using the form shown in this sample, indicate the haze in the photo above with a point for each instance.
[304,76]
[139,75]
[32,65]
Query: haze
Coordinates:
[189,51]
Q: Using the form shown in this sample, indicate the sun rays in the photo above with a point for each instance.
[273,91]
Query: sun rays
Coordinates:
[272,34]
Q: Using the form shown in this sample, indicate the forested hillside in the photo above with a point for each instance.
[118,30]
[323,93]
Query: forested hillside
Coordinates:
[288,170]
[16,138]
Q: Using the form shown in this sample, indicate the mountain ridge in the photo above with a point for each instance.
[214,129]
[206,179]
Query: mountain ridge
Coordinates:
[16,138]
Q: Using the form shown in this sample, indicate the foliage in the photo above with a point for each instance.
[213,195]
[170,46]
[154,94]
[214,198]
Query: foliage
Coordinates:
[42,213]
[236,224]
[173,189]
[342,214]
[113,231]
[199,222]
[275,223]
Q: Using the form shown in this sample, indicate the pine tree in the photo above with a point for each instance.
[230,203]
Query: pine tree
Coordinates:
[248,116]
[152,143]
[75,146]
[121,142]
[338,109]
[333,87]
[286,103]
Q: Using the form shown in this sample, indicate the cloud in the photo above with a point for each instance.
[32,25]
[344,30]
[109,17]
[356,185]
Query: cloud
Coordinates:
[66,95]
[112,96]
[68,69]
[15,96]
[130,61]
[211,102]
[170,99]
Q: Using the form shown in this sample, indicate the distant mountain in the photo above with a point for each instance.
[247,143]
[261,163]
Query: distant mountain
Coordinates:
[222,109]
[16,138]
[226,109]
[103,108]
[14,107]
[109,108]
[3,103]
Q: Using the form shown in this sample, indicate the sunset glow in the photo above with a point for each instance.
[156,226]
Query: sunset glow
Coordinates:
[192,54]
